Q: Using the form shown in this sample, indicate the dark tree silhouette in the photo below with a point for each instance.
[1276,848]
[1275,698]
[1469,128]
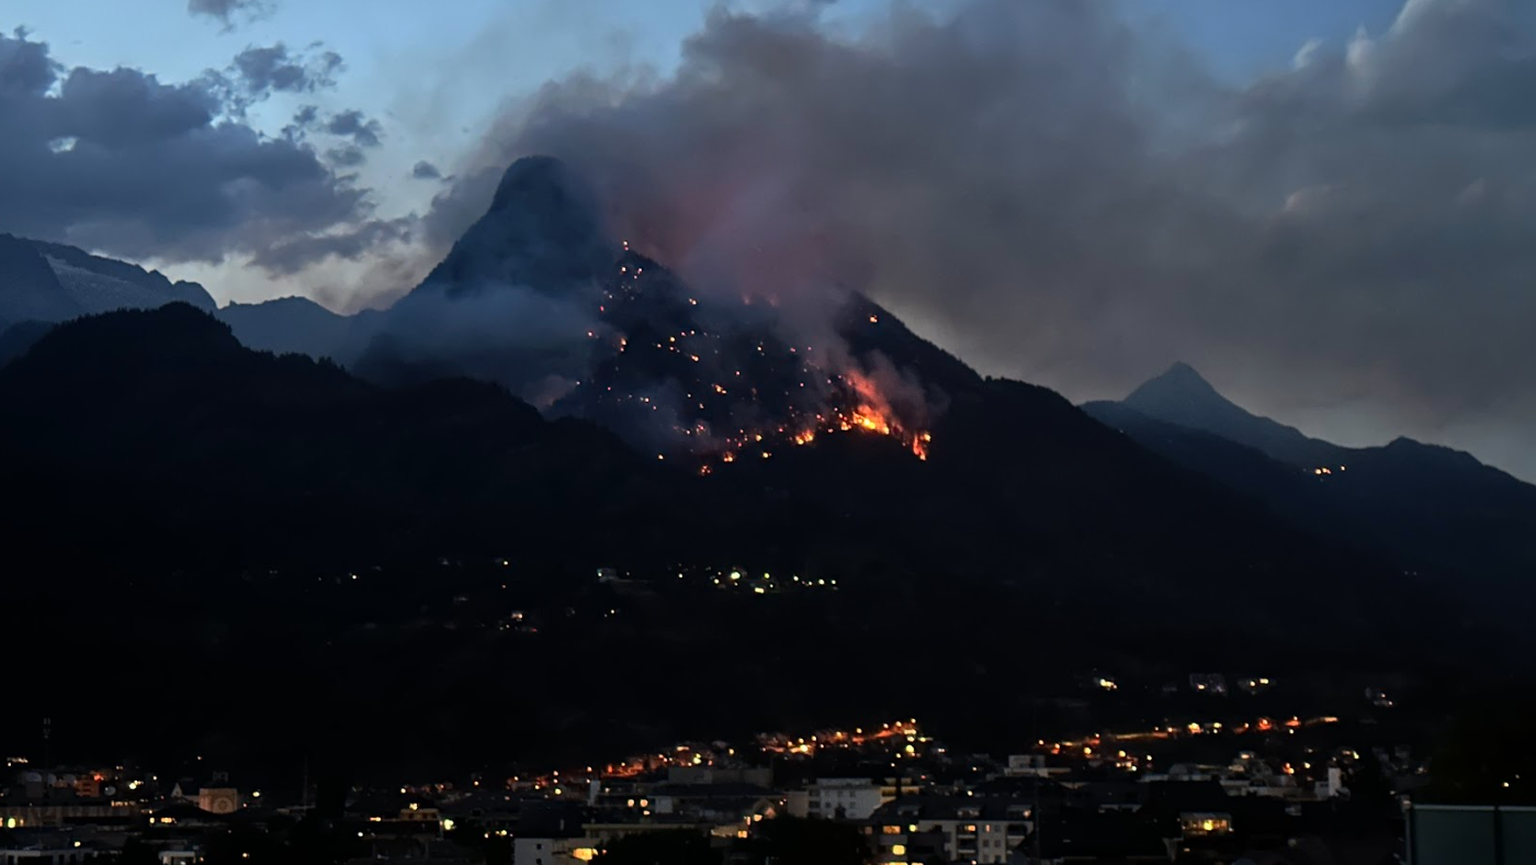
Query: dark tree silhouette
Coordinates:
[661,848]
[788,841]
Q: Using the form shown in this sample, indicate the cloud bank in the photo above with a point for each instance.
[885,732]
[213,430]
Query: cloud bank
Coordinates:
[119,162]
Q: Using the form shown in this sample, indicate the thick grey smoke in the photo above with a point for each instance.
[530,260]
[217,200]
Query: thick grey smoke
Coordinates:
[1055,197]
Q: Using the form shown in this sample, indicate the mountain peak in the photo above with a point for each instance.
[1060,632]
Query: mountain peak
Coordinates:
[1181,384]
[544,231]
[543,179]
[1182,396]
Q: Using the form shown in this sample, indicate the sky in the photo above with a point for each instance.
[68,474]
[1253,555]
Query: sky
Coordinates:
[1327,206]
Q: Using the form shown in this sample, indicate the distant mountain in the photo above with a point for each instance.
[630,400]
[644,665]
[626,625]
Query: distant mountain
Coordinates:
[1431,508]
[1182,396]
[298,325]
[51,282]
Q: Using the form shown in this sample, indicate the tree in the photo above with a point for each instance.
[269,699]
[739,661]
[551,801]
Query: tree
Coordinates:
[681,847]
[136,852]
[788,841]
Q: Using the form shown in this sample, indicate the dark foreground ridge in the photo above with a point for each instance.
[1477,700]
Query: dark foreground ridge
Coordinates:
[1439,514]
[415,546]
[175,477]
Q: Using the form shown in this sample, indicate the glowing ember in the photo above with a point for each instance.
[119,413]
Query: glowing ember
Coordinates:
[822,393]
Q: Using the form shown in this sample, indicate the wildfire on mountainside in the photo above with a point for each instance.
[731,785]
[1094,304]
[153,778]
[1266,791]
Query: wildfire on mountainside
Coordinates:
[725,381]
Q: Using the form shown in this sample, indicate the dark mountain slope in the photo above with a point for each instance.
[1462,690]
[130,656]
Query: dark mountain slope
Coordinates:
[1429,508]
[42,281]
[194,499]
[168,410]
[17,338]
[543,231]
[29,289]
[180,432]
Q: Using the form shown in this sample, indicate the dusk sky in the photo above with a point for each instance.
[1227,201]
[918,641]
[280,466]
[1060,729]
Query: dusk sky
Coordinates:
[1327,206]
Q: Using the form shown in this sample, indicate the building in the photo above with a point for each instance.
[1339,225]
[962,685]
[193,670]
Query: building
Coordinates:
[966,828]
[30,815]
[553,851]
[839,799]
[46,856]
[707,803]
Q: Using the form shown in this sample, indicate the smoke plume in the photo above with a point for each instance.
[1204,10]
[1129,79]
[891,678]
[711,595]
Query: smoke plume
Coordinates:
[1053,195]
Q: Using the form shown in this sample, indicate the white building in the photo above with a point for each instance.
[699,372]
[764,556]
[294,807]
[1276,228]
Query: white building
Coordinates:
[552,851]
[839,799]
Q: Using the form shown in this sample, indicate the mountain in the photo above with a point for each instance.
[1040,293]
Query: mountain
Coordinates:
[1429,508]
[51,282]
[176,445]
[538,297]
[175,478]
[543,231]
[1182,396]
[298,325]
[281,526]
[166,407]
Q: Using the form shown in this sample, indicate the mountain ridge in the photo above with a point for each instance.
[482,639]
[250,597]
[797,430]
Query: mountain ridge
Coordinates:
[1429,507]
[1181,395]
[52,282]
[198,455]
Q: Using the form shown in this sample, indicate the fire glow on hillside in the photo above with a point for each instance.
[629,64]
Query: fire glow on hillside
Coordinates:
[733,391]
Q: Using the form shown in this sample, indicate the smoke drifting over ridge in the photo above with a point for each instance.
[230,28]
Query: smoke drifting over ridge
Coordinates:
[1054,196]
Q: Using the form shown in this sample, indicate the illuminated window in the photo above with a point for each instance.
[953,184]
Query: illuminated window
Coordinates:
[891,830]
[1207,824]
[898,849]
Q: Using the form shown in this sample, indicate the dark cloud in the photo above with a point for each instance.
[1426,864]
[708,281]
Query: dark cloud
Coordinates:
[125,164]
[231,11]
[346,156]
[351,244]
[125,108]
[261,71]
[425,170]
[25,67]
[355,125]
[1057,197]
